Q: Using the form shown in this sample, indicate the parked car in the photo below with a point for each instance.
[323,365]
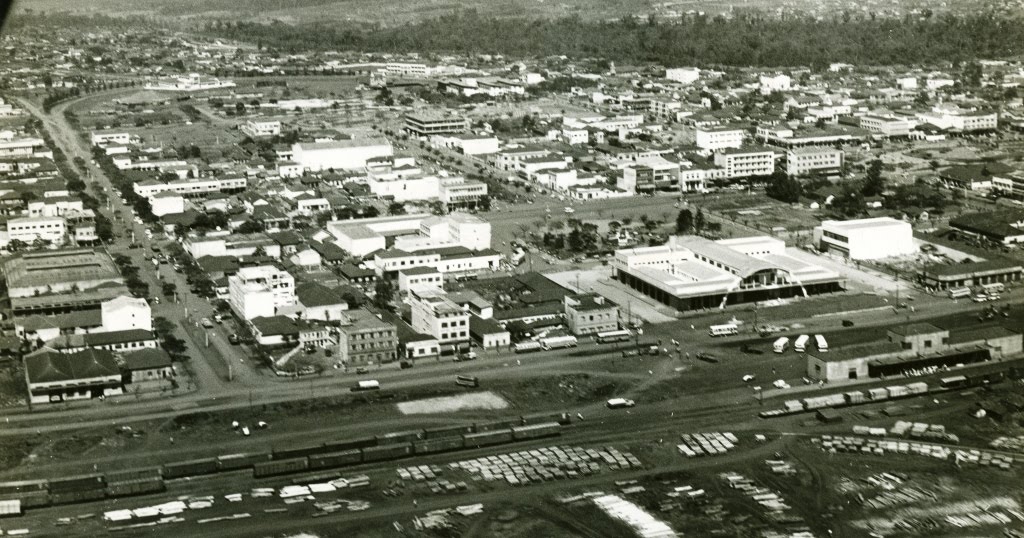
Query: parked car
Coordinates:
[234,340]
[207,323]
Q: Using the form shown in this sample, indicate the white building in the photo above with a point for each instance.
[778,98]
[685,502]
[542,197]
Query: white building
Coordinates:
[191,187]
[865,239]
[28,229]
[459,192]
[167,203]
[809,160]
[257,129]
[259,291]
[746,162]
[467,144]
[289,169]
[778,83]
[126,313]
[434,314]
[109,138]
[419,279]
[340,154]
[683,75]
[887,126]
[718,138]
[955,120]
[403,188]
[411,233]
[907,83]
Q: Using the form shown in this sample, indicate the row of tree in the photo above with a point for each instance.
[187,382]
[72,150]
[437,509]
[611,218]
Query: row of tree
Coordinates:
[746,39]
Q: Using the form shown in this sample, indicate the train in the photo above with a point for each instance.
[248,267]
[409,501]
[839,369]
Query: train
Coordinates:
[892,392]
[284,461]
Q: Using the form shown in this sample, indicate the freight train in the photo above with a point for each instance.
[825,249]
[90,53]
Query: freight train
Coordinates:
[892,392]
[282,461]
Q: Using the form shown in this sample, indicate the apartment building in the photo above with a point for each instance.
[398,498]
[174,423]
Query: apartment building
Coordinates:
[434,314]
[258,129]
[364,340]
[649,174]
[590,314]
[191,187]
[814,160]
[260,291]
[887,126]
[29,229]
[718,138]
[428,123]
[746,162]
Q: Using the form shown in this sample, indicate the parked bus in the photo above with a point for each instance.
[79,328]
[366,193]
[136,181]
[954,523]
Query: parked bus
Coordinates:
[820,343]
[613,336]
[527,347]
[467,381]
[959,293]
[781,345]
[801,343]
[558,342]
[366,385]
[728,329]
[619,403]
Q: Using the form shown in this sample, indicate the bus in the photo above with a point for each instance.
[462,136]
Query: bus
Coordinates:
[820,343]
[366,385]
[801,343]
[959,293]
[728,329]
[467,381]
[781,345]
[613,336]
[558,342]
[619,403]
[527,347]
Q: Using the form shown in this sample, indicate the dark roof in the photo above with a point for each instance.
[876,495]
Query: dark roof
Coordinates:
[969,173]
[314,294]
[278,325]
[351,271]
[328,251]
[146,359]
[118,337]
[945,269]
[990,223]
[49,366]
[479,326]
[845,353]
[286,238]
[267,211]
[218,264]
[419,270]
[978,334]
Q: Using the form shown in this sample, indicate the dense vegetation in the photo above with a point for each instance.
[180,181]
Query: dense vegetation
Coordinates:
[747,39]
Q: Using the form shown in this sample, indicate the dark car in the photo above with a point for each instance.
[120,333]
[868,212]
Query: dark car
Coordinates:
[234,339]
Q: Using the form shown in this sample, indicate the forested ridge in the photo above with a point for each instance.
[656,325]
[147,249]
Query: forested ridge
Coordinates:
[749,39]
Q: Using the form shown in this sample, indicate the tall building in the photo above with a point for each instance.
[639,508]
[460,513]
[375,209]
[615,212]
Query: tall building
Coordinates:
[259,291]
[590,314]
[433,313]
[865,239]
[364,339]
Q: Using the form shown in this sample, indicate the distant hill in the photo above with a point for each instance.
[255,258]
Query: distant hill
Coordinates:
[392,12]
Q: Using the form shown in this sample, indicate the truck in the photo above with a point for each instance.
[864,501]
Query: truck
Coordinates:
[781,345]
[558,342]
[727,329]
[619,403]
[800,345]
[371,384]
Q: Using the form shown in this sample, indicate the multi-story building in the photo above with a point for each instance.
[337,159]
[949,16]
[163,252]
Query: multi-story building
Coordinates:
[718,138]
[887,126]
[467,144]
[259,291]
[434,314]
[257,129]
[649,174]
[777,83]
[364,339]
[746,162]
[590,314]
[191,187]
[56,377]
[340,154]
[427,124]
[460,193]
[665,108]
[957,121]
[126,313]
[29,229]
[865,239]
[110,138]
[814,160]
[415,279]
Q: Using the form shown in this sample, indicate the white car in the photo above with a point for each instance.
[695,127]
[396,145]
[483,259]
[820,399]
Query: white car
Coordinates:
[780,384]
[748,378]
[569,211]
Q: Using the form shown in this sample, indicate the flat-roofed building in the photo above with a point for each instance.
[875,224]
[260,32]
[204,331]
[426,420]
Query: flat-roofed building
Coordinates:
[364,339]
[434,314]
[683,75]
[58,271]
[749,161]
[887,125]
[718,138]
[866,239]
[590,314]
[29,229]
[649,174]
[257,129]
[434,123]
[260,291]
[814,160]
[691,272]
[340,154]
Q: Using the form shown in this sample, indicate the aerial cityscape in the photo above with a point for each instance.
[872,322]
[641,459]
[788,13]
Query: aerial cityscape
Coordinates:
[564,268]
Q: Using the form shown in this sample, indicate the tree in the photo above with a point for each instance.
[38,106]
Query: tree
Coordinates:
[396,208]
[698,221]
[783,188]
[874,183]
[250,227]
[383,292]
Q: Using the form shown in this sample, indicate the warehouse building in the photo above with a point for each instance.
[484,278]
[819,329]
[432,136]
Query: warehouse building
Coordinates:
[865,239]
[941,276]
[913,347]
[691,272]
[58,271]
